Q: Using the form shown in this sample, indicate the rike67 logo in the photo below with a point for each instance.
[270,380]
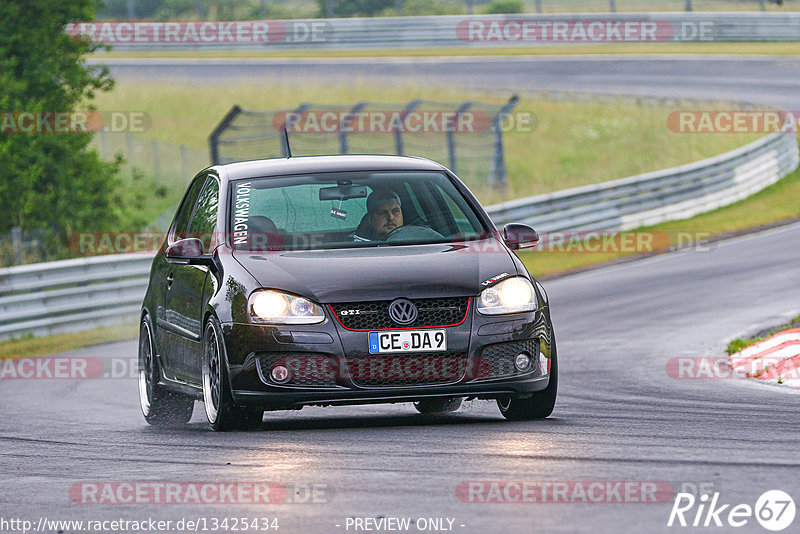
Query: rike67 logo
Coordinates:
[774,510]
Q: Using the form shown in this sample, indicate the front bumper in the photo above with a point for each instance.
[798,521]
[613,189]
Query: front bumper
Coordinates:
[485,343]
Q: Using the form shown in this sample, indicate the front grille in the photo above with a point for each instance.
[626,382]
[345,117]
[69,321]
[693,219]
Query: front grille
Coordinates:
[306,369]
[497,360]
[375,315]
[391,370]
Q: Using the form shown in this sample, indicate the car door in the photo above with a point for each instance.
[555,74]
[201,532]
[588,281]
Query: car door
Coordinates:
[184,295]
[168,339]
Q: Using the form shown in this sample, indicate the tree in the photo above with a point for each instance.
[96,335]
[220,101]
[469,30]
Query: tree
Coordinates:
[355,8]
[504,7]
[51,180]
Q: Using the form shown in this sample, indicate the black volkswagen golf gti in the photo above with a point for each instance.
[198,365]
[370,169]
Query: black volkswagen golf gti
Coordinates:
[335,280]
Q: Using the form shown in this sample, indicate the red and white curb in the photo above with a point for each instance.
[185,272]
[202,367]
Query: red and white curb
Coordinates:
[775,360]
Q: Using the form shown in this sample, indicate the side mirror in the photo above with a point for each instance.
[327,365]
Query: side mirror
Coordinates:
[519,236]
[188,252]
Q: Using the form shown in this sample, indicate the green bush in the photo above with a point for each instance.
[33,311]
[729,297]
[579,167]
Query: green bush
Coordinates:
[503,7]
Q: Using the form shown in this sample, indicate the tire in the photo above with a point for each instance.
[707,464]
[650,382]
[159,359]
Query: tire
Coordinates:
[222,414]
[160,406]
[438,405]
[538,406]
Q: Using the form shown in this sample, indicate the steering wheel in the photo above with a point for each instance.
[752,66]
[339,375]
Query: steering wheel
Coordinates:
[412,232]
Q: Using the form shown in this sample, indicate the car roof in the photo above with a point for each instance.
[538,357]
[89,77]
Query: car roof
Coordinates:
[311,164]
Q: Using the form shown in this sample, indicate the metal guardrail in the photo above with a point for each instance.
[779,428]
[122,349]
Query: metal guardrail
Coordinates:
[655,197]
[73,295]
[452,30]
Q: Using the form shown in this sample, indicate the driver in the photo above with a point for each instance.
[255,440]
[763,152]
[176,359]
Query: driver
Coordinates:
[384,214]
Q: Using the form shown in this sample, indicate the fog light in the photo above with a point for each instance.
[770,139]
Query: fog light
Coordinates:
[523,361]
[280,374]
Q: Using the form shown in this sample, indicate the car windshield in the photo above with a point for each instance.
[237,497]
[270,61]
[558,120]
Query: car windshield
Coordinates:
[339,210]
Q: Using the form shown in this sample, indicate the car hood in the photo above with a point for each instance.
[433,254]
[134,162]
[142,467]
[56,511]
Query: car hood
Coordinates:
[382,273]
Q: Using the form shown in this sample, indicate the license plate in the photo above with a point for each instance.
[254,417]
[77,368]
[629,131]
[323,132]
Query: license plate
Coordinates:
[407,341]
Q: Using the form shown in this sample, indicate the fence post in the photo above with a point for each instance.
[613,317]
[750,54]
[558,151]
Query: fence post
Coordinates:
[129,146]
[612,6]
[103,144]
[213,139]
[538,6]
[762,4]
[398,6]
[398,135]
[329,8]
[688,5]
[185,163]
[347,120]
[287,124]
[451,135]
[497,174]
[16,243]
[156,163]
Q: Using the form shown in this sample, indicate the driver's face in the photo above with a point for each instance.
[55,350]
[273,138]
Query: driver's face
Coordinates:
[386,218]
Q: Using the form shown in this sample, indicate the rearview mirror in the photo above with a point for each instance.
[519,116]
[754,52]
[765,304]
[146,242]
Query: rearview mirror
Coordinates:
[188,252]
[519,236]
[343,192]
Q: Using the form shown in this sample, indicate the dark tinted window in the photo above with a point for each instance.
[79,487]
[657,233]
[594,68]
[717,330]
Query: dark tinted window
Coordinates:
[181,228]
[204,218]
[337,210]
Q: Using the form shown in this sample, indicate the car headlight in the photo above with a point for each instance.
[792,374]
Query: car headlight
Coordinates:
[513,295]
[276,307]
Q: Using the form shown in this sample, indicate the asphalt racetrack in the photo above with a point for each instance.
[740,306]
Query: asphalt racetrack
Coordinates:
[623,414]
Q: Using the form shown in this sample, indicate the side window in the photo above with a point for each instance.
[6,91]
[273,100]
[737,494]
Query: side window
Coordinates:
[181,228]
[204,219]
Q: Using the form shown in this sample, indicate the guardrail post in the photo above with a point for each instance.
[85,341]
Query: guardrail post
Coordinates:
[398,135]
[345,123]
[497,173]
[451,135]
[612,6]
[16,244]
[213,139]
[688,5]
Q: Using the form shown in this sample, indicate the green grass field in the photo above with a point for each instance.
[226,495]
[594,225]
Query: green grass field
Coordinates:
[783,49]
[777,202]
[574,142]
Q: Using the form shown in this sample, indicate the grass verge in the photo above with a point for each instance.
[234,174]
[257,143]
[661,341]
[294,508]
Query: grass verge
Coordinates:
[711,48]
[571,143]
[741,343]
[775,203]
[29,347]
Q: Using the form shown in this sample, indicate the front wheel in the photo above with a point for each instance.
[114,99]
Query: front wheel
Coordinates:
[159,406]
[537,406]
[222,414]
